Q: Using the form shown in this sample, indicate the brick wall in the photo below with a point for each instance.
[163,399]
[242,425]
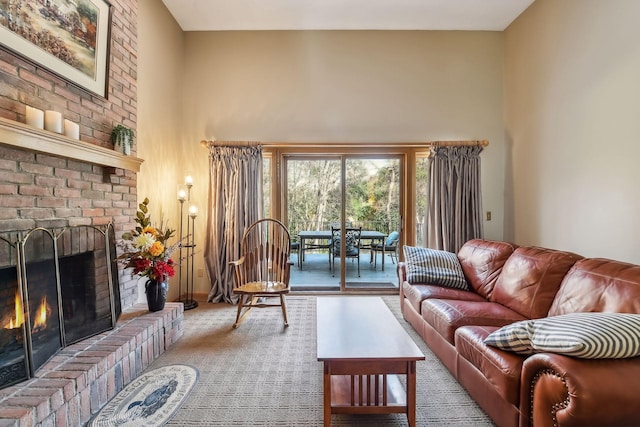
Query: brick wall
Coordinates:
[49,191]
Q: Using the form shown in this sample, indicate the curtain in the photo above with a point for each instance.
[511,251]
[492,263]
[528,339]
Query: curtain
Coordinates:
[455,197]
[234,203]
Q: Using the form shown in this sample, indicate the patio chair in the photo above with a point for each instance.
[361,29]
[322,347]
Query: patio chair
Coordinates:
[262,272]
[352,245]
[390,247]
[295,248]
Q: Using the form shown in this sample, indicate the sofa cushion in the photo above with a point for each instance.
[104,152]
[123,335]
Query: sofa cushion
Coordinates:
[482,262]
[434,267]
[445,316]
[415,294]
[597,284]
[500,368]
[584,335]
[530,279]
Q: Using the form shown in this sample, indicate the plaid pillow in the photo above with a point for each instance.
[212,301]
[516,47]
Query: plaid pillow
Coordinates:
[434,267]
[583,335]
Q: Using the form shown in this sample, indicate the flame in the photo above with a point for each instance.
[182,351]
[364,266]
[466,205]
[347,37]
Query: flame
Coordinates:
[40,320]
[19,320]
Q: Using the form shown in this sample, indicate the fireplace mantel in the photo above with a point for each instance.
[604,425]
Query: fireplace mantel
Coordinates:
[20,135]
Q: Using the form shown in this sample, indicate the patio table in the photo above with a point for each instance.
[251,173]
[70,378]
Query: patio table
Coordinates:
[371,235]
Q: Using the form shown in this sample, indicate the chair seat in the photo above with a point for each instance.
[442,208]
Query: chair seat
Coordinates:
[378,247]
[350,251]
[262,287]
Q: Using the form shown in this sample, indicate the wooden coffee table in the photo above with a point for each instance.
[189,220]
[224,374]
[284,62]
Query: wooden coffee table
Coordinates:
[364,349]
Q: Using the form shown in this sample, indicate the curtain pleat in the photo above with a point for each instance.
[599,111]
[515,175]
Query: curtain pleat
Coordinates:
[455,197]
[235,202]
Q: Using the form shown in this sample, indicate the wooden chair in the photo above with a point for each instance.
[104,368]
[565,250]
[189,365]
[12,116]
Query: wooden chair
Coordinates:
[352,245]
[262,272]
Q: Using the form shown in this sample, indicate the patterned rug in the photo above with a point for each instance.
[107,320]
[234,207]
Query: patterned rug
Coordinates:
[150,400]
[265,375]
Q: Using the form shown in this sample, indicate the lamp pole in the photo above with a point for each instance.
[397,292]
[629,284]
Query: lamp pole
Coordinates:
[189,303]
[181,199]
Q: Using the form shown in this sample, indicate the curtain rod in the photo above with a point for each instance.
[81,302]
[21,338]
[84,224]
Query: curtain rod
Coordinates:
[479,143]
[215,143]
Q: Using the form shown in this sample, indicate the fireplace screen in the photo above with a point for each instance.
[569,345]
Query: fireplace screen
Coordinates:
[13,363]
[84,282]
[58,288]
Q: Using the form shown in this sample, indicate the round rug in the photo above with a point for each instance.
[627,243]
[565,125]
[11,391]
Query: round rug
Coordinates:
[150,400]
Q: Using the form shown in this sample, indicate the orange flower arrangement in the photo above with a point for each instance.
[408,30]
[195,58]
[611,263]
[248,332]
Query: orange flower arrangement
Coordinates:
[145,248]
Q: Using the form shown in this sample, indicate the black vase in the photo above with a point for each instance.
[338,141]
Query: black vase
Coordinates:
[156,294]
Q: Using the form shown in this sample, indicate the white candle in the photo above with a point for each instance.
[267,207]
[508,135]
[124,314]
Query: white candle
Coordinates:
[193,211]
[35,117]
[182,195]
[188,181]
[72,130]
[53,121]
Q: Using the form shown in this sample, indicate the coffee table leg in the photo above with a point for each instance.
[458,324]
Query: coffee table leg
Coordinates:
[327,395]
[411,393]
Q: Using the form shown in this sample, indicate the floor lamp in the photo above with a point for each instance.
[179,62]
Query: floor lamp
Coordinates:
[189,246]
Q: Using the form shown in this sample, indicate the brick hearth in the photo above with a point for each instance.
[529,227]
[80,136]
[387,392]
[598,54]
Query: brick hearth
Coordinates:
[83,377]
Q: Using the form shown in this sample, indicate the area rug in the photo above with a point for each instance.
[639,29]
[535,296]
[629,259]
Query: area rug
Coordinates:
[265,375]
[150,400]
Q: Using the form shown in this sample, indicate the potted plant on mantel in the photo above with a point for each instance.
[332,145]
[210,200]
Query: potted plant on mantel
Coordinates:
[122,138]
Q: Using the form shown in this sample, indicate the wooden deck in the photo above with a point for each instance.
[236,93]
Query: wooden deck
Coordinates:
[315,274]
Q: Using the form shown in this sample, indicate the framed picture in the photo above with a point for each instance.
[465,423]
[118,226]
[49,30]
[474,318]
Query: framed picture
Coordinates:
[68,37]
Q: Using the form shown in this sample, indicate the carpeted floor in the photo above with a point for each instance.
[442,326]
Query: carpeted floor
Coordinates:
[262,374]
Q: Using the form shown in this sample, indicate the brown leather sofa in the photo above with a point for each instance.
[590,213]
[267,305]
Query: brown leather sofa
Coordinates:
[509,284]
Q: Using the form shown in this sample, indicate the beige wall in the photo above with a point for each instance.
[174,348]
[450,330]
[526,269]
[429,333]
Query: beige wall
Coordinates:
[572,119]
[351,86]
[561,168]
[160,78]
[340,86]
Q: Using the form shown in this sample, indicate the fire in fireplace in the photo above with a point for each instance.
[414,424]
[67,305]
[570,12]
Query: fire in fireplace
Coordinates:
[58,288]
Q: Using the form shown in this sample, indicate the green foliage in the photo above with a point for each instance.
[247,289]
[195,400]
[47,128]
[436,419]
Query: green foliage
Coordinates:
[314,198]
[142,217]
[122,135]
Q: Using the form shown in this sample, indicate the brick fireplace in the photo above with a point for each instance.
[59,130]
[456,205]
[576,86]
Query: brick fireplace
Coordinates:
[50,181]
[56,288]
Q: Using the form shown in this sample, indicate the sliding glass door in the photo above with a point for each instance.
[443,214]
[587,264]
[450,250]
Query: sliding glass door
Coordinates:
[312,197]
[340,210]
[372,210]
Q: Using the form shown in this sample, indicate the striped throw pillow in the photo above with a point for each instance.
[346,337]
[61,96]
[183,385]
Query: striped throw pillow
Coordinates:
[583,335]
[434,267]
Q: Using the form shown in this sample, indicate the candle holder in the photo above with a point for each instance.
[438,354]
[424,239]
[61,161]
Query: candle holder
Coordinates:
[184,195]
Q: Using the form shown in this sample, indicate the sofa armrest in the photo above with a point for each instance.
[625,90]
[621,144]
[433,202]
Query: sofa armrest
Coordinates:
[402,272]
[565,391]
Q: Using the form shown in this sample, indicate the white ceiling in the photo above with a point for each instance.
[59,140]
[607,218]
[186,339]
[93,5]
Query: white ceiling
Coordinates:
[226,15]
